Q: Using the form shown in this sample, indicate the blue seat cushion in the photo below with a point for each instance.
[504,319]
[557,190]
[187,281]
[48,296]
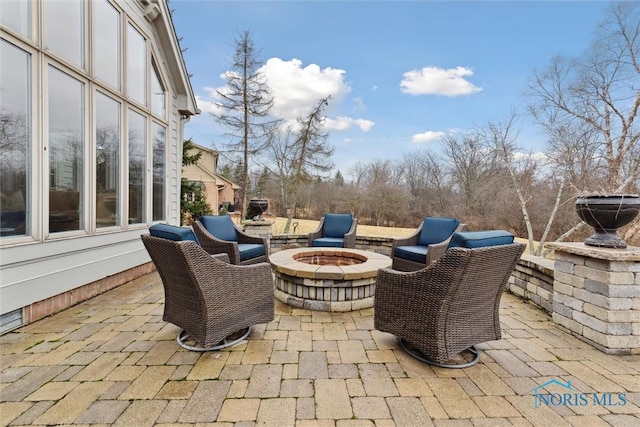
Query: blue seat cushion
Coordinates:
[479,239]
[336,225]
[172,232]
[436,230]
[250,250]
[328,242]
[221,227]
[412,253]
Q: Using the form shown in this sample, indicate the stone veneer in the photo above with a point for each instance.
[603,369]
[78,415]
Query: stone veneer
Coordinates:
[258,228]
[596,295]
[327,287]
[532,280]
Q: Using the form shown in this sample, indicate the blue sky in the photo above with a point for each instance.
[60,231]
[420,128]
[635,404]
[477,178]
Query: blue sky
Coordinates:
[401,74]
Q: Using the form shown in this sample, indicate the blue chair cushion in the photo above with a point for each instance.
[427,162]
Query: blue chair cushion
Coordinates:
[172,232]
[412,253]
[221,227]
[336,225]
[250,250]
[328,242]
[436,230]
[479,239]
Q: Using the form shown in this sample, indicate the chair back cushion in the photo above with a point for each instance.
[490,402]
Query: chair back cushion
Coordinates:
[220,227]
[336,225]
[172,232]
[436,230]
[479,239]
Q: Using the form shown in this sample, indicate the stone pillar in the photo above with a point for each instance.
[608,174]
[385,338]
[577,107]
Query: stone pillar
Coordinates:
[596,295]
[258,228]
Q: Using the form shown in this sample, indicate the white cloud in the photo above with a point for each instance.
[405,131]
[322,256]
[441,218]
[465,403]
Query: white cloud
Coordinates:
[428,136]
[207,106]
[344,123]
[438,81]
[297,90]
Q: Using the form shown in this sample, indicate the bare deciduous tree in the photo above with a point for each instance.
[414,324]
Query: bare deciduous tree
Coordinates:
[472,170]
[428,183]
[599,92]
[299,155]
[501,138]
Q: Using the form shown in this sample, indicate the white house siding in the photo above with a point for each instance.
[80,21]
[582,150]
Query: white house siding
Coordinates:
[36,267]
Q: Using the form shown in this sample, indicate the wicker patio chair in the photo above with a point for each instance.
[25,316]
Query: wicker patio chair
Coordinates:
[214,302]
[335,231]
[442,311]
[218,234]
[425,245]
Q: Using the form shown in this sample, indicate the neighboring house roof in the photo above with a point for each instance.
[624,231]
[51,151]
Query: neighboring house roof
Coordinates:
[210,172]
[229,182]
[157,12]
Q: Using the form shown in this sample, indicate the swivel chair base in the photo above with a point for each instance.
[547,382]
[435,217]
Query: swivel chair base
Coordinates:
[229,341]
[418,355]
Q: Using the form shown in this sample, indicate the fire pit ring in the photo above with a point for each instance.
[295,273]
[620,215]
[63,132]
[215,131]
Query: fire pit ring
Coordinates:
[327,279]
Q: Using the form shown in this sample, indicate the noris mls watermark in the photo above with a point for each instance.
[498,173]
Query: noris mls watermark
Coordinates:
[565,395]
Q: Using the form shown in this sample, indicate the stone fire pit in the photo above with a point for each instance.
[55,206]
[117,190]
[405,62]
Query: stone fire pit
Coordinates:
[327,279]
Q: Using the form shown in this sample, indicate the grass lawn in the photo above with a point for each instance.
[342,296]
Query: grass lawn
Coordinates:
[306,226]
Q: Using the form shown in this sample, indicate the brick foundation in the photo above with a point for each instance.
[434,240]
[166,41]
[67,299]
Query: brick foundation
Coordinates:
[59,302]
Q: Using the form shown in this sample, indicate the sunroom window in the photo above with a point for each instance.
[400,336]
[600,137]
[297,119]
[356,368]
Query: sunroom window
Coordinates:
[15,140]
[157,94]
[137,165]
[16,15]
[64,29]
[136,66]
[66,152]
[106,41]
[84,120]
[159,155]
[108,197]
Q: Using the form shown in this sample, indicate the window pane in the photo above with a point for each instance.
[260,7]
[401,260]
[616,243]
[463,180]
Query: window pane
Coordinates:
[157,94]
[64,33]
[66,152]
[137,160]
[106,52]
[136,66]
[15,140]
[16,15]
[159,138]
[107,161]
